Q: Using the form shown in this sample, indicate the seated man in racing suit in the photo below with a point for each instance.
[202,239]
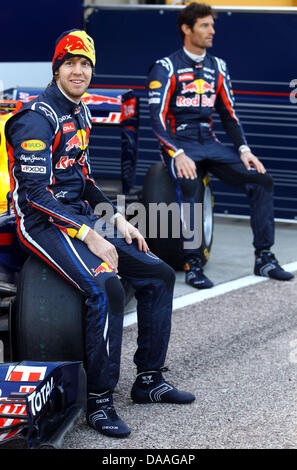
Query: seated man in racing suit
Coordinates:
[54,198]
[183,89]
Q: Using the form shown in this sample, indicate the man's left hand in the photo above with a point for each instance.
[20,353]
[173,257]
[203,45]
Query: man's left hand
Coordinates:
[129,232]
[248,159]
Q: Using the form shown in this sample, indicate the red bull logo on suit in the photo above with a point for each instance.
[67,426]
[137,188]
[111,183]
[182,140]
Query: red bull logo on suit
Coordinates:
[79,140]
[199,86]
[202,89]
[103,268]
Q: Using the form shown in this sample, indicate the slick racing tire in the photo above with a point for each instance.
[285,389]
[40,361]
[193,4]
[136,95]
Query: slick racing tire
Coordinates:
[47,321]
[159,188]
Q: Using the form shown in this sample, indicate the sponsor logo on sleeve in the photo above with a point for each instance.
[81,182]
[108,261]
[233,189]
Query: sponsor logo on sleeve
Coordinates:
[154,100]
[31,158]
[34,169]
[33,145]
[155,84]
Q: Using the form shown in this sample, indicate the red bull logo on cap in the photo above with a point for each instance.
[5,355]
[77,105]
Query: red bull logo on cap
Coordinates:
[74,43]
[103,268]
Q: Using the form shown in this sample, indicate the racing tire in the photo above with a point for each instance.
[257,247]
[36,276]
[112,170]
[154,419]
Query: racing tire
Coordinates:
[47,321]
[159,187]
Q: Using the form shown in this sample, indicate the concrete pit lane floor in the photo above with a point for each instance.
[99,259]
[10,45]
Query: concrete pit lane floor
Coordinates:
[234,346]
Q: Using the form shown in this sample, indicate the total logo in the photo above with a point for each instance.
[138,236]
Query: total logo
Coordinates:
[103,268]
[38,399]
[79,140]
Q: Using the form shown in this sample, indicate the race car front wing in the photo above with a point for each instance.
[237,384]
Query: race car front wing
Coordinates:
[39,402]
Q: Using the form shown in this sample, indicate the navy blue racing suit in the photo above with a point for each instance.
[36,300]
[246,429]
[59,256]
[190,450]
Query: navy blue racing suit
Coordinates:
[182,95]
[54,197]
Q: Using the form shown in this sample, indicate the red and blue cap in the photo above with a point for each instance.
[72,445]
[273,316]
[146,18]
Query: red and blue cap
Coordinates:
[73,43]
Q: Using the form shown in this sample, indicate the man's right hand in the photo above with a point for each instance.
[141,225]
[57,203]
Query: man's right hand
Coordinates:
[185,166]
[102,248]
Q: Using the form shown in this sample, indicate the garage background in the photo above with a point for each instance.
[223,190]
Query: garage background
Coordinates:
[257,43]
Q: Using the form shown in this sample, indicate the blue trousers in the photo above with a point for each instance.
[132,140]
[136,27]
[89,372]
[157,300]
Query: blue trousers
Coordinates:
[152,279]
[225,164]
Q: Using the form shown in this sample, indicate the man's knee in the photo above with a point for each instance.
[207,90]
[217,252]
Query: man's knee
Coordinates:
[267,182]
[188,187]
[115,294]
[166,273]
[259,183]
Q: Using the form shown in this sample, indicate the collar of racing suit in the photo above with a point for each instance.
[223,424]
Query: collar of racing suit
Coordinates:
[60,98]
[66,96]
[195,57]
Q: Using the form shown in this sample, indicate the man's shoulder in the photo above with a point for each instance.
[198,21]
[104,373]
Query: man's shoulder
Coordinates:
[177,56]
[32,115]
[42,106]
[216,62]
[168,63]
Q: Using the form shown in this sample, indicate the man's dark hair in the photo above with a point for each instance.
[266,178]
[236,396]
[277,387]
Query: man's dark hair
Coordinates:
[191,13]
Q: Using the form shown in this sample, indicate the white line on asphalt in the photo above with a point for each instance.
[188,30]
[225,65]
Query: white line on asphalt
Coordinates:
[198,296]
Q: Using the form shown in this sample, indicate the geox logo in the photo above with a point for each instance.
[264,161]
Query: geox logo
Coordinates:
[102,400]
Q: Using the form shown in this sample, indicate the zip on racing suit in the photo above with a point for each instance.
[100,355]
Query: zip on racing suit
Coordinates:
[182,95]
[54,197]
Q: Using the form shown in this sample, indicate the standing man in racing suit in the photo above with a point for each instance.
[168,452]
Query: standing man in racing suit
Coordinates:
[183,89]
[54,198]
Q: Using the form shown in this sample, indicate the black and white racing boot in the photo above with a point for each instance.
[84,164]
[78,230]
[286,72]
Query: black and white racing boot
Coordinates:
[102,416]
[151,387]
[266,265]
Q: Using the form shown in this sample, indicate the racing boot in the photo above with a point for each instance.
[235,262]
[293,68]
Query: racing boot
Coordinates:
[195,276]
[267,265]
[151,387]
[102,416]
